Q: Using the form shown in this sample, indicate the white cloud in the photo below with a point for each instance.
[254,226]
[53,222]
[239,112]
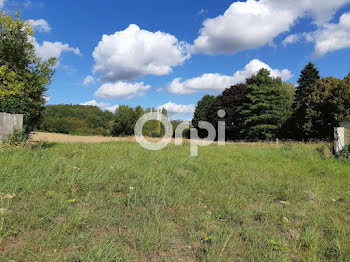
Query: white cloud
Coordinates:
[2,3]
[217,82]
[129,54]
[121,89]
[48,49]
[322,11]
[202,12]
[331,37]
[47,98]
[176,110]
[89,80]
[41,25]
[291,39]
[252,24]
[27,3]
[103,106]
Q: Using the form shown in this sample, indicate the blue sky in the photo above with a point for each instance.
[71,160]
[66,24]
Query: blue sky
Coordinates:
[171,53]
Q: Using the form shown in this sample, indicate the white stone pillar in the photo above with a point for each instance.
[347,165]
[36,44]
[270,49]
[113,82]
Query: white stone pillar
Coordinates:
[339,139]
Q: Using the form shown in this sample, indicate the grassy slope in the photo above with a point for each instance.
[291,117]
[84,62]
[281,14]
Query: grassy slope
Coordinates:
[116,201]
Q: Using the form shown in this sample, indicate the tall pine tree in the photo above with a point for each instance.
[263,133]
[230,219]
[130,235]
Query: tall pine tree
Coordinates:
[264,107]
[301,127]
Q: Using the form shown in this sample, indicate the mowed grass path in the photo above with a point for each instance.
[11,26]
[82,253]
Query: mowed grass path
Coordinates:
[119,202]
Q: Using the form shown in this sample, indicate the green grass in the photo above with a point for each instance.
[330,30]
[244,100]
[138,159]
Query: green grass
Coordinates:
[119,202]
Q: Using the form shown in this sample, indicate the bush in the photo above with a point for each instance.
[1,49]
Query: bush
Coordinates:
[345,153]
[16,138]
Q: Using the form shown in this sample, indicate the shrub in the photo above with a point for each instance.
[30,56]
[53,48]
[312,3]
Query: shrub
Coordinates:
[18,137]
[345,153]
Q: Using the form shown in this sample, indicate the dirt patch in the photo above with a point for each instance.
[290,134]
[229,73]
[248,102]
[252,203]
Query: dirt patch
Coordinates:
[36,137]
[12,243]
[62,138]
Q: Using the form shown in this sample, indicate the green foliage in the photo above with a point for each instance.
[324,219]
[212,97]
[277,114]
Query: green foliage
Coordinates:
[126,117]
[231,101]
[124,122]
[23,76]
[299,124]
[327,104]
[17,138]
[186,132]
[77,119]
[203,112]
[345,153]
[266,107]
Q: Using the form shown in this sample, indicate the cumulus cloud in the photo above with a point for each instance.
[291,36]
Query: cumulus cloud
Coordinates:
[2,3]
[89,80]
[121,89]
[176,110]
[129,54]
[102,105]
[251,24]
[291,39]
[331,37]
[41,25]
[48,49]
[218,82]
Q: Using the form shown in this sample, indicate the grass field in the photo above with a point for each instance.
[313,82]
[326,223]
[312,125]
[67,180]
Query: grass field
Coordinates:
[119,202]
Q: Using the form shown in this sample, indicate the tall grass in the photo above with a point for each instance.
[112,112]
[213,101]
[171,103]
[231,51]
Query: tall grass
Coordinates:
[119,202]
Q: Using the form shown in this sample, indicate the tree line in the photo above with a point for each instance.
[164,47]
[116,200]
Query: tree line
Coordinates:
[125,119]
[265,108]
[91,120]
[77,120]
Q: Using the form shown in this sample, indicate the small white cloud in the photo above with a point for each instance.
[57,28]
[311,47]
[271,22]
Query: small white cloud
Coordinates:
[89,80]
[291,39]
[331,37]
[121,89]
[129,54]
[2,3]
[176,110]
[47,98]
[48,49]
[41,25]
[27,3]
[103,106]
[202,12]
[217,82]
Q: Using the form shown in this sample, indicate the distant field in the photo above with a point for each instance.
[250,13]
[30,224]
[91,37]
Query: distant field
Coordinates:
[62,138]
[119,202]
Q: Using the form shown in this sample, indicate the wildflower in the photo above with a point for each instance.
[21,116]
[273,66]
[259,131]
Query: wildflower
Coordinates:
[76,168]
[131,188]
[2,210]
[286,220]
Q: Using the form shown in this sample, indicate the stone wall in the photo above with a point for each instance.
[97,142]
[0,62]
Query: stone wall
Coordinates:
[8,122]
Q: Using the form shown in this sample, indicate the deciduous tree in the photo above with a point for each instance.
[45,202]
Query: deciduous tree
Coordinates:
[23,76]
